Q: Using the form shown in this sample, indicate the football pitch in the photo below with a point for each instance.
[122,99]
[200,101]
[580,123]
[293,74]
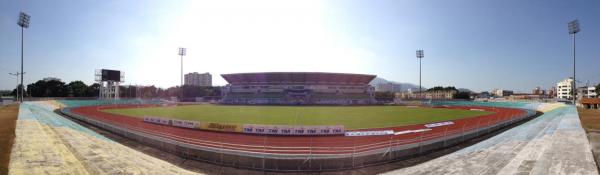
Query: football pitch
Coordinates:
[352,117]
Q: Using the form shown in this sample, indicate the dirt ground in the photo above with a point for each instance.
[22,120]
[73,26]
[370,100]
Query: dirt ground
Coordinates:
[8,119]
[590,120]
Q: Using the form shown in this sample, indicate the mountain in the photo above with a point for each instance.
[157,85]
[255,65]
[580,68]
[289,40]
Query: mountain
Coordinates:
[405,86]
[402,86]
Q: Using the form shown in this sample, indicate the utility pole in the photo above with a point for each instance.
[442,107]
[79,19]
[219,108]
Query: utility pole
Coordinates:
[17,74]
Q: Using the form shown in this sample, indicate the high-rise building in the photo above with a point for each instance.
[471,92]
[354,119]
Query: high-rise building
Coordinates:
[196,79]
[564,88]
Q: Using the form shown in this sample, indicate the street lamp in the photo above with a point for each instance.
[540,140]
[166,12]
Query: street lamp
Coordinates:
[24,23]
[420,56]
[16,74]
[182,52]
[573,30]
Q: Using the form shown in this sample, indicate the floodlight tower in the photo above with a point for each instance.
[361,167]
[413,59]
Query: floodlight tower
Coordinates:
[420,56]
[24,23]
[182,52]
[573,30]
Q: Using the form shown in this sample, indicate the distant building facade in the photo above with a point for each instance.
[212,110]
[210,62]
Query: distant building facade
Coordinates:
[590,103]
[388,87]
[552,92]
[564,88]
[196,79]
[429,95]
[586,92]
[538,91]
[502,93]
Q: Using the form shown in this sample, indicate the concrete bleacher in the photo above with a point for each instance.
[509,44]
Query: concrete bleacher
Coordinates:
[47,143]
[553,143]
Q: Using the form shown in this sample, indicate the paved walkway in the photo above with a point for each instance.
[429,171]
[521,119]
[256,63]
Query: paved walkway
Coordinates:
[553,143]
[47,143]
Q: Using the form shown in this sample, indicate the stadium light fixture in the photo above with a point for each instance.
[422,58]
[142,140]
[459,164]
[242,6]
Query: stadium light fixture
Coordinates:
[24,23]
[573,30]
[420,56]
[182,52]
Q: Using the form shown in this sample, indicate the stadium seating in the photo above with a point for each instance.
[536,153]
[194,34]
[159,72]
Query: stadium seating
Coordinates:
[298,88]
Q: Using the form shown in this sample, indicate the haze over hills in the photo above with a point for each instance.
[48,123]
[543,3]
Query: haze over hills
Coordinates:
[406,86]
[403,86]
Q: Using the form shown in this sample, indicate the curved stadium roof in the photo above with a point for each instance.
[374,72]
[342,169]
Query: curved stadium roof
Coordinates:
[298,78]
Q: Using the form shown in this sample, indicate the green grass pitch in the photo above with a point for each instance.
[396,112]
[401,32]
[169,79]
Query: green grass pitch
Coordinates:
[352,117]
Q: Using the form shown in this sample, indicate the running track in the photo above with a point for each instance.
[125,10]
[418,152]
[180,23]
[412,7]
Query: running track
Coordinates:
[302,145]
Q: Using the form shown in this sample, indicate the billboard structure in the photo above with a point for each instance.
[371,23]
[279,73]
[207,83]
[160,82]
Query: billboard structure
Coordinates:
[109,81]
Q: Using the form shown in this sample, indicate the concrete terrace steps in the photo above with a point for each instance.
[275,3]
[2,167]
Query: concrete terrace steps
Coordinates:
[47,143]
[553,143]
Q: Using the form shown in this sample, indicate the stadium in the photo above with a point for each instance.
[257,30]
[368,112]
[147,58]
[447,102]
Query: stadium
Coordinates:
[298,88]
[295,122]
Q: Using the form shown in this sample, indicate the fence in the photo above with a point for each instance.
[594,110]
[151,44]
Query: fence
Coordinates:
[300,153]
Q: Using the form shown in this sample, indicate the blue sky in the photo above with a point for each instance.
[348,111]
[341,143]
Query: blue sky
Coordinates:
[481,45]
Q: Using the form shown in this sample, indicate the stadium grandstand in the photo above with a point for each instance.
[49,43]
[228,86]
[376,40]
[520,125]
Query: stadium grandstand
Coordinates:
[298,88]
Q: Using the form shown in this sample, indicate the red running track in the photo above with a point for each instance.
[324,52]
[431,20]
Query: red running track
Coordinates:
[301,145]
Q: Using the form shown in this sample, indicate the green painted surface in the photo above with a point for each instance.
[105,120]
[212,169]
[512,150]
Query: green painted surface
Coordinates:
[352,117]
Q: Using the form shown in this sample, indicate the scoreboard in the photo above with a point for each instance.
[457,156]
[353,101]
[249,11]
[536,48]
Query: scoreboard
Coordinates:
[111,75]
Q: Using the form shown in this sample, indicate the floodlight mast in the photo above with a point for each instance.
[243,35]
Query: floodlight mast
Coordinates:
[573,30]
[420,56]
[182,52]
[24,23]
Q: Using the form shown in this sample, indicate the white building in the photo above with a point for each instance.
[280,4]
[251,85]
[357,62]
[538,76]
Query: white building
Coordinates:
[586,92]
[564,88]
[196,79]
[502,93]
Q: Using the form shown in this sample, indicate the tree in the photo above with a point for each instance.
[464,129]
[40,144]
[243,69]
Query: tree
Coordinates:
[462,95]
[14,91]
[93,90]
[77,89]
[440,88]
[149,92]
[598,90]
[51,88]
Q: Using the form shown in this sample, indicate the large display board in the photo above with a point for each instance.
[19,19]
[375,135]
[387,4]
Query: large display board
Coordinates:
[111,75]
